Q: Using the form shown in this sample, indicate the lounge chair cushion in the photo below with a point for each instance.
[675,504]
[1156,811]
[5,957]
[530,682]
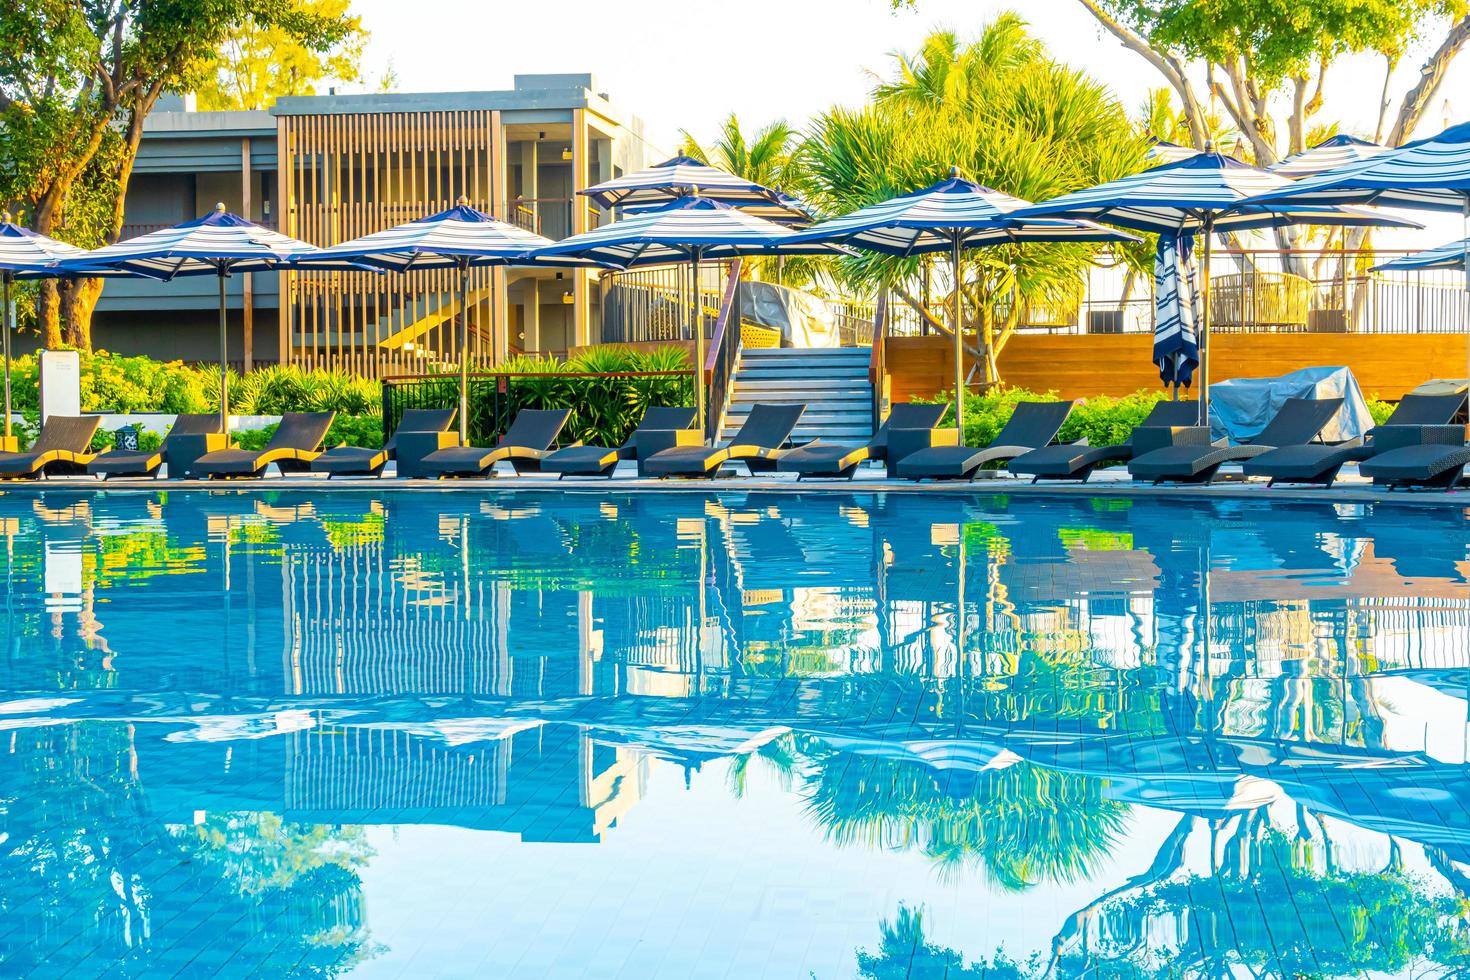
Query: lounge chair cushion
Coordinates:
[1308,462]
[953,462]
[1065,460]
[1186,461]
[351,459]
[581,460]
[827,458]
[126,462]
[1415,464]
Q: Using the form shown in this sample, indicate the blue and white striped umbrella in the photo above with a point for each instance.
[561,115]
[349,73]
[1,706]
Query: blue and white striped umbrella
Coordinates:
[1449,256]
[459,238]
[684,176]
[1162,151]
[25,254]
[950,216]
[1208,192]
[688,229]
[1431,174]
[1176,342]
[456,238]
[1337,151]
[218,244]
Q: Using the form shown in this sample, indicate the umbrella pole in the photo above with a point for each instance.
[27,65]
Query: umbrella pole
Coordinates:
[1464,261]
[464,352]
[224,354]
[959,342]
[1204,319]
[9,326]
[698,322]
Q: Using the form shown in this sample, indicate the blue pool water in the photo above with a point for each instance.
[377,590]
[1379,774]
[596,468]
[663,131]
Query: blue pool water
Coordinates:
[737,735]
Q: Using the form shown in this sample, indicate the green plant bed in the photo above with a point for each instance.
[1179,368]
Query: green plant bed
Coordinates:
[351,430]
[1101,420]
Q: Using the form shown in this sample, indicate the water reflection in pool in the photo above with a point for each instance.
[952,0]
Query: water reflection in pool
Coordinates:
[575,733]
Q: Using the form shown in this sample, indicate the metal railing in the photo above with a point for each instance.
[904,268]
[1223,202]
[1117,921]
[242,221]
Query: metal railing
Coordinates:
[495,397]
[652,305]
[1322,290]
[723,356]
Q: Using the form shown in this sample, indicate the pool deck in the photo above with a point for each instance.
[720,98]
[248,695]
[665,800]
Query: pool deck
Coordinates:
[1351,489]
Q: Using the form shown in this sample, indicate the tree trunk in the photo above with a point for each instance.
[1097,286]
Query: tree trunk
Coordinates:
[78,300]
[48,315]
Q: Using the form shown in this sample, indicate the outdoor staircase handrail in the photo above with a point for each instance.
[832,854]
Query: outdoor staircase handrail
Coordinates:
[723,354]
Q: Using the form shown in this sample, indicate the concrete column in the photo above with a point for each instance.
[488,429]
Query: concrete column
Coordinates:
[581,278]
[499,174]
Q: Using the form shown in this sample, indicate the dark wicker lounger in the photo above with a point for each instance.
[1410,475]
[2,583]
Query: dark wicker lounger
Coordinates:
[61,447]
[1298,422]
[832,459]
[135,462]
[1076,461]
[1031,426]
[766,430]
[525,444]
[1436,459]
[603,460]
[362,461]
[1316,463]
[296,442]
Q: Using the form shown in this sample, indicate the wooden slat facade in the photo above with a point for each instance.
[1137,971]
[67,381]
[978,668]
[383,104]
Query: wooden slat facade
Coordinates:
[1078,366]
[351,174]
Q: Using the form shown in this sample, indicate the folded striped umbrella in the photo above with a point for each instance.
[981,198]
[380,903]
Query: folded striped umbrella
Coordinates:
[688,229]
[218,244]
[950,216]
[1207,192]
[25,254]
[684,176]
[1336,151]
[460,238]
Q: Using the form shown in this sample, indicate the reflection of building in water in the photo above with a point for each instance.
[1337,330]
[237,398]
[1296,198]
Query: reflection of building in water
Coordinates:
[541,782]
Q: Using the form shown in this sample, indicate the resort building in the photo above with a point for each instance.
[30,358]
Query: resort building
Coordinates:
[330,168]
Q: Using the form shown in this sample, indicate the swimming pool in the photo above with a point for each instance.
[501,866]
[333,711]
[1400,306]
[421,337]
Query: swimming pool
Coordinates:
[385,734]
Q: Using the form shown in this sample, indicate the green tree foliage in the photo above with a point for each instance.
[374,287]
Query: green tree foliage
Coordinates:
[1268,63]
[260,61]
[1007,115]
[77,80]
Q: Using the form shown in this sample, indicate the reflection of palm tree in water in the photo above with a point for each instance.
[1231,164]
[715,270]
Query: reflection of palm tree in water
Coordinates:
[1022,825]
[83,844]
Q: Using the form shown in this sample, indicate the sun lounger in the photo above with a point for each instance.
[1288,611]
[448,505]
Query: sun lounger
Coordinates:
[832,459]
[1031,426]
[136,462]
[1418,457]
[61,447]
[296,442]
[603,460]
[767,428]
[362,461]
[525,444]
[1298,422]
[1167,423]
[1316,463]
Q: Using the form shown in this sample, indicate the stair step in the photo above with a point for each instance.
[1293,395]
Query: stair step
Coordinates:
[764,372]
[778,352]
[794,384]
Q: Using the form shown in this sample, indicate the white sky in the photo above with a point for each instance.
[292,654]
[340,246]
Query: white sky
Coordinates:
[689,64]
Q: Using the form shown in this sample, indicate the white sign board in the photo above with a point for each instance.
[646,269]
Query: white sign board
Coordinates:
[61,383]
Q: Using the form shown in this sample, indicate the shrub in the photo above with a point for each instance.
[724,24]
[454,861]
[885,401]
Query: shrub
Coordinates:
[1102,420]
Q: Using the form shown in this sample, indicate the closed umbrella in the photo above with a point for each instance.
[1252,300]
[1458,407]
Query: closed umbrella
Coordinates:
[459,238]
[950,216]
[1176,340]
[218,244]
[24,254]
[1431,174]
[688,229]
[684,176]
[1203,194]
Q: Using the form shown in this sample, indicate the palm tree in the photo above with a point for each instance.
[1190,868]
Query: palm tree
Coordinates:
[1009,117]
[763,158]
